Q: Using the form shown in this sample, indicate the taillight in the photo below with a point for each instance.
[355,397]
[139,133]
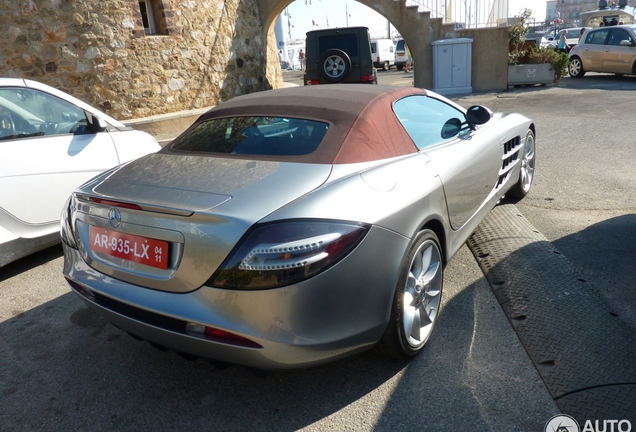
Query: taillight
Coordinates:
[66,228]
[284,253]
[367,78]
[377,60]
[312,82]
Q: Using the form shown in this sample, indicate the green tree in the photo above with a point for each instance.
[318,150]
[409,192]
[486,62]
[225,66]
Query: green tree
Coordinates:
[517,36]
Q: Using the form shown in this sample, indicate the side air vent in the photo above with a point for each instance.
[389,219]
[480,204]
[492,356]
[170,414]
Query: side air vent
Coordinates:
[510,157]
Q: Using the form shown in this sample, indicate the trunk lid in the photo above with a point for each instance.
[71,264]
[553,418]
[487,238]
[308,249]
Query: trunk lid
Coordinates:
[199,206]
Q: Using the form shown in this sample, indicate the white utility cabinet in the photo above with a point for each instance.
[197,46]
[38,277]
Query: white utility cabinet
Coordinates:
[452,59]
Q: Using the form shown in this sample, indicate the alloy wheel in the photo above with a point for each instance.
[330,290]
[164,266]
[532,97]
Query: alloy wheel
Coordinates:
[422,294]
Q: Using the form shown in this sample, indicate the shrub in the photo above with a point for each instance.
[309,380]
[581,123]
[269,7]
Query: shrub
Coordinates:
[559,60]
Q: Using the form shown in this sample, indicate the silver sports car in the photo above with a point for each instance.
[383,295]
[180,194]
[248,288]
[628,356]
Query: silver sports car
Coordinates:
[291,227]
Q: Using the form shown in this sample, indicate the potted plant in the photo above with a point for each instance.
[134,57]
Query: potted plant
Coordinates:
[557,60]
[529,64]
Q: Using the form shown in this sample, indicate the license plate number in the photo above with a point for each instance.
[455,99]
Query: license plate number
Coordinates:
[142,250]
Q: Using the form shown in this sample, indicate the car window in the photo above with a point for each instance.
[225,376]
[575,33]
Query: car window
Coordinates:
[597,37]
[345,42]
[618,35]
[254,136]
[374,47]
[27,113]
[427,120]
[400,45]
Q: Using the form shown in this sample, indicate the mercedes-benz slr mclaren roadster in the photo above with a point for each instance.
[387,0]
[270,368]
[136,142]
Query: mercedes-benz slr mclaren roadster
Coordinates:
[292,227]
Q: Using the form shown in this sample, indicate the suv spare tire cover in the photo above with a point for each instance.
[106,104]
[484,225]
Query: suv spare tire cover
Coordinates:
[334,65]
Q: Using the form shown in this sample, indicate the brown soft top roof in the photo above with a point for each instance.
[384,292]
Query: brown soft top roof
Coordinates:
[363,126]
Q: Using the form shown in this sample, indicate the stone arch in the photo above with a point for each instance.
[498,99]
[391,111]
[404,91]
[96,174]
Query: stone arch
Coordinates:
[417,29]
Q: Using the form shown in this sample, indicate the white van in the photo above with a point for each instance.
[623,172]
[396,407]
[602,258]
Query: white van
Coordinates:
[382,53]
[401,54]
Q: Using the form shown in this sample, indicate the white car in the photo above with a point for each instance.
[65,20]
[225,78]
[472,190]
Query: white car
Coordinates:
[51,143]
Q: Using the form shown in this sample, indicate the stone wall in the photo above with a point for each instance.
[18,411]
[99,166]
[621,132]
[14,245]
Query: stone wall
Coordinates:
[490,57]
[96,50]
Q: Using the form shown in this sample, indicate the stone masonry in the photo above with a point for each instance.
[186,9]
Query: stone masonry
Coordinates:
[204,52]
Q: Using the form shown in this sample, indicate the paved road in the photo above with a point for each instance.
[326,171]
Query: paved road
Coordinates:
[390,77]
[63,368]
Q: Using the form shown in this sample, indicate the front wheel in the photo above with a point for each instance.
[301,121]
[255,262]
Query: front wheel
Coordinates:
[417,299]
[526,174]
[576,68]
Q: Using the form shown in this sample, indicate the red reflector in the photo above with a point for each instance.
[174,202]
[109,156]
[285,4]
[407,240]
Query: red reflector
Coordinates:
[367,78]
[116,204]
[313,82]
[229,338]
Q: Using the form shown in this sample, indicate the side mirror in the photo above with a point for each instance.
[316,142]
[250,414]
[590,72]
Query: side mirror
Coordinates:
[95,124]
[626,42]
[451,128]
[478,115]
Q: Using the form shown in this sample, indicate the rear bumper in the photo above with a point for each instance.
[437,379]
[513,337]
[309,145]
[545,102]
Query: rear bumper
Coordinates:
[337,313]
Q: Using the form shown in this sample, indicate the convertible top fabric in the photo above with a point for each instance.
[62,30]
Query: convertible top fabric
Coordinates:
[362,124]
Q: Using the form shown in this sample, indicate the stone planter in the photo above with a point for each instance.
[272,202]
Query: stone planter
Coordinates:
[527,74]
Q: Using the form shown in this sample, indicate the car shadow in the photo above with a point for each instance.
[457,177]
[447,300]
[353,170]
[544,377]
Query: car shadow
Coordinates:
[600,81]
[30,262]
[65,367]
[605,253]
[580,342]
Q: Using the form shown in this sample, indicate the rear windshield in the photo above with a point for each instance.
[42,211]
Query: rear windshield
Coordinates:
[254,136]
[400,45]
[345,42]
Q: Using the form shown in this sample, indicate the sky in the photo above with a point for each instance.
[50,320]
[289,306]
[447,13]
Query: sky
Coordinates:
[339,13]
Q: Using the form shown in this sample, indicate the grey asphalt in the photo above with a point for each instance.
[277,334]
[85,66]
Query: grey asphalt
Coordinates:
[583,203]
[63,368]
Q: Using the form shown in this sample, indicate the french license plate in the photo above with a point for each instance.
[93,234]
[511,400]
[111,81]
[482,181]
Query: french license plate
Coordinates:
[142,250]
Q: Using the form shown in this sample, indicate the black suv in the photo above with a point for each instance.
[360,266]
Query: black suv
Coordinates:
[339,55]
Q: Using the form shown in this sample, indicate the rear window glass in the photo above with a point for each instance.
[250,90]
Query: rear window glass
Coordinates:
[400,45]
[345,42]
[254,136]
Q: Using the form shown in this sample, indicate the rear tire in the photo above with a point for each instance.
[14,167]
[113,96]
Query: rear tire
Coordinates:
[417,299]
[386,66]
[399,67]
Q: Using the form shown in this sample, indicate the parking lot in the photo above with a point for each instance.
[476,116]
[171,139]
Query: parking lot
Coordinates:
[557,265]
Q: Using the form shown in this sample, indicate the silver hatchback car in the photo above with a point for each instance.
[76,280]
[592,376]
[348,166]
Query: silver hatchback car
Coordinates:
[605,49]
